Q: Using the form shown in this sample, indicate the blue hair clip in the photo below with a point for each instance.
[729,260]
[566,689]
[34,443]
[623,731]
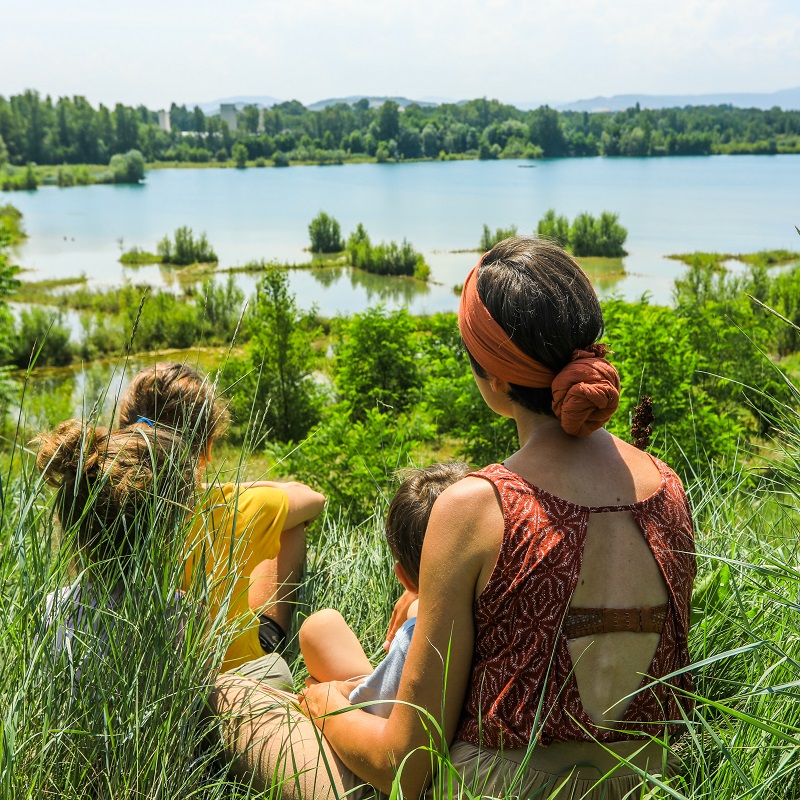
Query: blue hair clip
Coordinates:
[145,420]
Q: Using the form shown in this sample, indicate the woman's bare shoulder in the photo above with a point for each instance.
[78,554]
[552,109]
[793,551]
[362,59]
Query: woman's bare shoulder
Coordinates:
[468,496]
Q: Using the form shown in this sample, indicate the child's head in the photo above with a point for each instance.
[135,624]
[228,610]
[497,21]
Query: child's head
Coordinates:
[106,479]
[411,508]
[179,397]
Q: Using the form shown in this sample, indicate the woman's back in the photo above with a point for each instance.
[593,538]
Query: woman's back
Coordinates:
[581,522]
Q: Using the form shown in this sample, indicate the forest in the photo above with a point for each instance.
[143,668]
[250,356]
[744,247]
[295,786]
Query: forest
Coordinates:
[70,131]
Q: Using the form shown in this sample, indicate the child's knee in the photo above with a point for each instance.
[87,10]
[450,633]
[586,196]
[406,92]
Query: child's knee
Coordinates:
[320,623]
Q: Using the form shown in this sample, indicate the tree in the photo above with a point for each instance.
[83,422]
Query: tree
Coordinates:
[239,154]
[389,120]
[376,361]
[430,141]
[280,384]
[325,234]
[250,118]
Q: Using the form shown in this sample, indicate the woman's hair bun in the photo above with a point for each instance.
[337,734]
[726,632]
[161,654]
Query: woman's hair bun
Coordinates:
[71,448]
[586,391]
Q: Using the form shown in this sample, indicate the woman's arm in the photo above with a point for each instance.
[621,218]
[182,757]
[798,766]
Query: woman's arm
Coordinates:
[461,544]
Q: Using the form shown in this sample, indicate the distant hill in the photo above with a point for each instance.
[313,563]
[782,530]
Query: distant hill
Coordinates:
[240,101]
[374,102]
[788,99]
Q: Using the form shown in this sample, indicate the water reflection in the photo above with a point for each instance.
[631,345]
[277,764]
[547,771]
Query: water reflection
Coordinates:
[90,391]
[606,274]
[396,291]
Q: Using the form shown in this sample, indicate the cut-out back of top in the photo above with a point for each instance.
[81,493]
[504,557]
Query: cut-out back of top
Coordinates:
[523,680]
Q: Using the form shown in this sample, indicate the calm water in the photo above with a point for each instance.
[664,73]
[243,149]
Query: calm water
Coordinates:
[735,204]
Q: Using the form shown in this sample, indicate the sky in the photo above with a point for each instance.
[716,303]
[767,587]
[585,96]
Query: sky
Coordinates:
[517,51]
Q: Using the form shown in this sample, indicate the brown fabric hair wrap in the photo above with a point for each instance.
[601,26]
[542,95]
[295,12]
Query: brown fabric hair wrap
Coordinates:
[585,391]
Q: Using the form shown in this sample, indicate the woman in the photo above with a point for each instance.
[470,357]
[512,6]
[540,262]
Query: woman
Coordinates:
[549,585]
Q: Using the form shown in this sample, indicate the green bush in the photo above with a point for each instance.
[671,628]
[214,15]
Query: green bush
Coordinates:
[127,168]
[386,259]
[42,339]
[325,234]
[376,364]
[219,310]
[554,227]
[489,239]
[11,225]
[239,155]
[355,463]
[597,237]
[186,249]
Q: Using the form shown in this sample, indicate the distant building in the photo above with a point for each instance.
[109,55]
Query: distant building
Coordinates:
[227,112]
[163,121]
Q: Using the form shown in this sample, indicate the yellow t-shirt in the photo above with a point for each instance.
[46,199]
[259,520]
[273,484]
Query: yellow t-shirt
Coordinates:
[235,529]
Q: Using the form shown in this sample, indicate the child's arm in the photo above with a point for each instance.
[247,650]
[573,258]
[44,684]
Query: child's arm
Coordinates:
[330,648]
[404,609]
[305,504]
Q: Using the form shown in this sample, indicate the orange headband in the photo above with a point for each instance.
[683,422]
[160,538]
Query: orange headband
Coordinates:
[491,346]
[585,391]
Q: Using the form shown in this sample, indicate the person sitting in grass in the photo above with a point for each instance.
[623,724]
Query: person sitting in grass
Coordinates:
[247,539]
[121,496]
[330,648]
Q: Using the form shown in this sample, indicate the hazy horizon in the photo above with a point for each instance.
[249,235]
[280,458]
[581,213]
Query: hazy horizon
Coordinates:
[517,52]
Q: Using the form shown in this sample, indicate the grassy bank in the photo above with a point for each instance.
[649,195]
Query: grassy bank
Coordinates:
[135,729]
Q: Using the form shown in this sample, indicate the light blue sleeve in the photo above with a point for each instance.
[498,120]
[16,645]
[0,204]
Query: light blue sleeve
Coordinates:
[385,681]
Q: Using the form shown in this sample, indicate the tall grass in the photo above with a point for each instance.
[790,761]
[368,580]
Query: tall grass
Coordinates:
[120,713]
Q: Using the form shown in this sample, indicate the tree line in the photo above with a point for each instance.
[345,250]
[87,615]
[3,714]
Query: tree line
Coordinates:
[68,130]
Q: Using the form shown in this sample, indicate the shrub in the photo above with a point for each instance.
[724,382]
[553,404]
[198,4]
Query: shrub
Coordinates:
[280,159]
[42,338]
[555,228]
[325,234]
[11,224]
[597,237]
[127,168]
[385,258]
[186,249]
[239,155]
[376,361]
[355,463]
[489,239]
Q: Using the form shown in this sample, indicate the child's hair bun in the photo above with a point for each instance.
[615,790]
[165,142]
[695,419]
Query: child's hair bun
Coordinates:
[69,449]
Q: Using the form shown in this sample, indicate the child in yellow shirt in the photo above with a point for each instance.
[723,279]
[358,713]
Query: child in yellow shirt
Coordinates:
[249,534]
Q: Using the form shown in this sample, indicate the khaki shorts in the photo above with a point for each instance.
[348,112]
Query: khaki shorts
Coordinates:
[519,774]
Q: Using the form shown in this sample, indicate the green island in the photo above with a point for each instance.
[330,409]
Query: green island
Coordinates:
[342,403]
[68,142]
[183,250]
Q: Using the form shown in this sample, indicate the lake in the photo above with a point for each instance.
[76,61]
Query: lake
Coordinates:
[735,204]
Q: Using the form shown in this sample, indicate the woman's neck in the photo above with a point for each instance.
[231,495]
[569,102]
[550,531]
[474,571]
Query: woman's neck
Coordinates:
[534,428]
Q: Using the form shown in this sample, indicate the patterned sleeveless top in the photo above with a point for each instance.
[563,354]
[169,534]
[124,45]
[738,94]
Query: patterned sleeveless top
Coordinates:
[522,673]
